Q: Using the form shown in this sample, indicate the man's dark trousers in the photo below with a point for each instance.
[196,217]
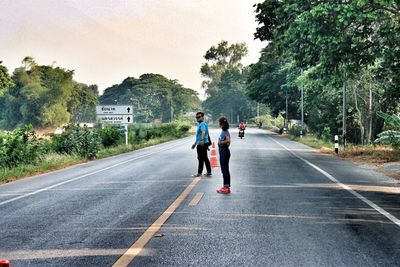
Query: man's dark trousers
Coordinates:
[202,156]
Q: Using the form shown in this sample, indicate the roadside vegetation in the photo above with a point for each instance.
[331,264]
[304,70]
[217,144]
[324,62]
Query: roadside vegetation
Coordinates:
[386,148]
[23,153]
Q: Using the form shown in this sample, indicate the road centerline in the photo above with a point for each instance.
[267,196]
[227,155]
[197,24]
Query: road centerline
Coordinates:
[196,199]
[138,246]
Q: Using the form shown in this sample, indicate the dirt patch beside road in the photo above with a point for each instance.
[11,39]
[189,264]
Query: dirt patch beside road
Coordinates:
[381,159]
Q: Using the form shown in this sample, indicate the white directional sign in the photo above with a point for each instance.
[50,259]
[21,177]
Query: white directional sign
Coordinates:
[115,119]
[114,110]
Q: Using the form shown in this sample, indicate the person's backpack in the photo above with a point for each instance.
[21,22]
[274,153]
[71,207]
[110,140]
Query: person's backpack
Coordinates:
[209,138]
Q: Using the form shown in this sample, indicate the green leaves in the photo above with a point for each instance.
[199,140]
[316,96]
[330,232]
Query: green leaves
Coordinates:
[390,137]
[335,43]
[5,79]
[392,119]
[153,96]
[39,96]
[18,146]
[224,81]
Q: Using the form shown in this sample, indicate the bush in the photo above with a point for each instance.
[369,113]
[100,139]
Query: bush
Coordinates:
[139,133]
[110,136]
[390,137]
[82,141]
[18,146]
[326,134]
[295,130]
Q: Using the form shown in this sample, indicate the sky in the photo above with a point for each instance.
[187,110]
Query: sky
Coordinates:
[106,41]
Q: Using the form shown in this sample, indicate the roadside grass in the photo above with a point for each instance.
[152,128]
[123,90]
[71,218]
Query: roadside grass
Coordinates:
[55,161]
[46,163]
[312,141]
[357,153]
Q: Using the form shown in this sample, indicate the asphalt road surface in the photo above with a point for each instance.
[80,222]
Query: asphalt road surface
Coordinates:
[289,206]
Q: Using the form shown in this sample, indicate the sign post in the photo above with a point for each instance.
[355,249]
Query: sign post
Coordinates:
[112,114]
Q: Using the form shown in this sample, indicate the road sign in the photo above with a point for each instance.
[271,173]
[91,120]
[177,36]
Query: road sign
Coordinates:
[114,110]
[115,119]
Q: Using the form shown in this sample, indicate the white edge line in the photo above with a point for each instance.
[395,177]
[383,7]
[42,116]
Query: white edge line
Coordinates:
[82,176]
[333,179]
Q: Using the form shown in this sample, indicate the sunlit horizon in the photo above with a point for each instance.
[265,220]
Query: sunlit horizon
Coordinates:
[105,42]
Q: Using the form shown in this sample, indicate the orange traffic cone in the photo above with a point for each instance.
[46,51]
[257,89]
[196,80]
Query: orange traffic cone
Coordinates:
[213,157]
[4,263]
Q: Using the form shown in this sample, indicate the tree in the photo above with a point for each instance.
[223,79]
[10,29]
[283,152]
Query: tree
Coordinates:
[220,58]
[271,80]
[82,105]
[39,96]
[5,79]
[152,96]
[339,40]
[224,83]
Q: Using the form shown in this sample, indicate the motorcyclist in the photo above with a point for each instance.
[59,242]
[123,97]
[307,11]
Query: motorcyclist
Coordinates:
[242,127]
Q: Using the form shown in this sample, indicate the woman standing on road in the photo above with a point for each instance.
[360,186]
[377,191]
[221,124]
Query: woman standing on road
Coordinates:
[224,141]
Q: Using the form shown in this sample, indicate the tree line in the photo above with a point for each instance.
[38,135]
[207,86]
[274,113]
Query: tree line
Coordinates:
[47,96]
[332,50]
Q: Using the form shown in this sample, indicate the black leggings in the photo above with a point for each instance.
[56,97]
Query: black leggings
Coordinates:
[224,156]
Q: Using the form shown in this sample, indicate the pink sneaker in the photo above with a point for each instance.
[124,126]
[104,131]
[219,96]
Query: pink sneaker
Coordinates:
[224,190]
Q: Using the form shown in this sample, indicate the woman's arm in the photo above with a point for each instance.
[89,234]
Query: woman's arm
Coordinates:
[226,140]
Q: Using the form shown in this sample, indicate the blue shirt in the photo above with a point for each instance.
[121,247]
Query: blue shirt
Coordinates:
[202,128]
[222,136]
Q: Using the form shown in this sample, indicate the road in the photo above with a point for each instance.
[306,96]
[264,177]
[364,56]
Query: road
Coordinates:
[289,206]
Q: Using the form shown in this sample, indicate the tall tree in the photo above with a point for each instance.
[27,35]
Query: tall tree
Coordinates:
[39,96]
[224,81]
[220,58]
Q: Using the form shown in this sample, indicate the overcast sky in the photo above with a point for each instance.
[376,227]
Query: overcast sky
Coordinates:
[105,41]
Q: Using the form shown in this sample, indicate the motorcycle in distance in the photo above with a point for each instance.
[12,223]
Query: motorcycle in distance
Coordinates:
[241,127]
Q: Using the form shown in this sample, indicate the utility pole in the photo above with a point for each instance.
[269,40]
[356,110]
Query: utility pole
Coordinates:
[286,117]
[302,108]
[344,113]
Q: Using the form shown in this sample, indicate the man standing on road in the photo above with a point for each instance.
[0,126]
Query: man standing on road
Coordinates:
[201,140]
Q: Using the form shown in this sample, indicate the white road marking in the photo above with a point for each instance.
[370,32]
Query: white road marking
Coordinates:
[351,191]
[83,176]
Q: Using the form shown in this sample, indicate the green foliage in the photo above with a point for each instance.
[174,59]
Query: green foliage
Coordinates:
[355,43]
[82,105]
[326,134]
[139,132]
[270,81]
[84,142]
[5,79]
[295,130]
[224,82]
[153,97]
[39,96]
[18,146]
[45,96]
[110,136]
[220,58]
[390,137]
